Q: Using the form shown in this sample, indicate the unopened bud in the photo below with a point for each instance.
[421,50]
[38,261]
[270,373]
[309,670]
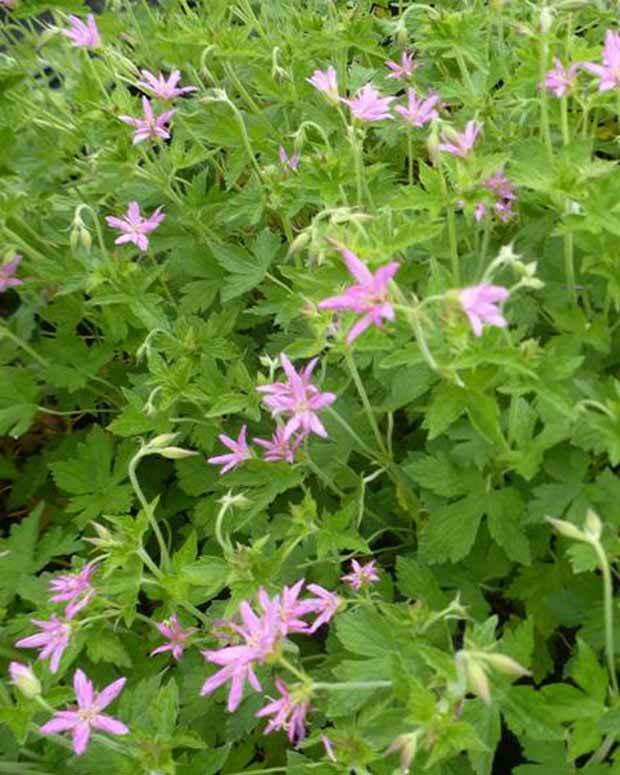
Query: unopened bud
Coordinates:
[85,239]
[74,240]
[506,665]
[25,680]
[566,529]
[478,681]
[593,525]
[408,746]
[299,243]
[176,453]
[162,440]
[546,19]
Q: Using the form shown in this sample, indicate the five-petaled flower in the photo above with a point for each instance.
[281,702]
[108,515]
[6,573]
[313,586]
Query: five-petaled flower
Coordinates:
[83,35]
[239,451]
[361,575]
[280,446]
[7,274]
[368,297]
[52,640]
[177,637]
[288,712]
[298,398]
[162,88]
[134,226]
[419,110]
[87,716]
[151,126]
[560,80]
[479,304]
[460,144]
[609,71]
[404,68]
[368,105]
[74,589]
[326,81]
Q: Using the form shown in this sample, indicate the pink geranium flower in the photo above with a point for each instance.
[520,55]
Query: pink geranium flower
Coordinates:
[87,716]
[280,447]
[609,71]
[560,80]
[368,105]
[287,713]
[177,637]
[402,69]
[298,398]
[479,304]
[461,144]
[419,111]
[162,88]
[480,211]
[504,191]
[326,81]
[134,226]
[83,35]
[325,603]
[290,608]
[368,297]
[74,589]
[292,161]
[151,126]
[361,575]
[52,640]
[7,274]
[239,452]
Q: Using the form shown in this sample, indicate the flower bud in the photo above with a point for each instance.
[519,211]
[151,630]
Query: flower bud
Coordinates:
[176,453]
[299,243]
[85,239]
[546,19]
[593,525]
[478,681]
[408,746]
[566,529]
[162,440]
[25,680]
[506,665]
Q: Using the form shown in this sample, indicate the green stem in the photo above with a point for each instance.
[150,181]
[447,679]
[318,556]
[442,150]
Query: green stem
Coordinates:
[564,120]
[454,255]
[219,530]
[351,685]
[246,137]
[410,156]
[486,235]
[608,603]
[365,400]
[465,72]
[363,448]
[303,677]
[4,331]
[544,105]
[163,549]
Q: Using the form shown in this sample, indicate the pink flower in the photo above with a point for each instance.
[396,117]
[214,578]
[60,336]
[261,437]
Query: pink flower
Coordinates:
[151,126]
[75,589]
[361,575]
[279,447]
[461,144]
[369,105]
[261,635]
[480,211]
[298,398]
[287,714]
[83,35]
[292,162]
[158,86]
[7,274]
[134,226]
[479,302]
[87,716]
[504,190]
[239,452]
[609,71]
[52,640]
[178,637]
[419,111]
[290,608]
[405,68]
[326,81]
[368,297]
[326,604]
[560,79]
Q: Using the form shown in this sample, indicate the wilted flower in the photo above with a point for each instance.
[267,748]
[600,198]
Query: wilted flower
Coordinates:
[151,126]
[479,304]
[292,161]
[7,274]
[87,716]
[369,296]
[609,71]
[239,451]
[369,105]
[280,447]
[288,714]
[134,226]
[326,81]
[460,144]
[504,190]
[52,640]
[162,88]
[419,111]
[83,35]
[73,588]
[402,69]
[560,80]
[176,635]
[24,679]
[361,575]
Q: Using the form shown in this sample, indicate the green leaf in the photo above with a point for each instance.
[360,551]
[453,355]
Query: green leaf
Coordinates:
[506,513]
[246,269]
[418,582]
[364,632]
[451,530]
[105,646]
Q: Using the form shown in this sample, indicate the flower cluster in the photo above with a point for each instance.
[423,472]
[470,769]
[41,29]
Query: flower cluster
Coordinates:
[503,192]
[561,80]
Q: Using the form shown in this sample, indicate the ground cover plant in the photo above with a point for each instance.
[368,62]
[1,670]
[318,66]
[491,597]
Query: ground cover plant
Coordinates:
[309,397]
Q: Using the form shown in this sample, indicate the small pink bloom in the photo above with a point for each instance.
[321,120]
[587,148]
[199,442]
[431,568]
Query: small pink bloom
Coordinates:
[361,575]
[419,111]
[162,88]
[326,604]
[279,447]
[461,144]
[292,162]
[326,82]
[7,274]
[479,304]
[178,638]
[52,640]
[134,226]
[404,68]
[298,398]
[73,588]
[480,211]
[369,105]
[500,185]
[151,126]
[560,80]
[368,297]
[609,71]
[290,608]
[239,452]
[87,716]
[83,35]
[287,714]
